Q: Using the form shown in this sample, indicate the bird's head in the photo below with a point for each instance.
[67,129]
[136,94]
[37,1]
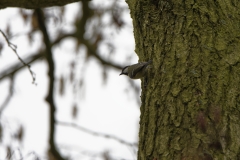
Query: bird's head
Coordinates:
[124,71]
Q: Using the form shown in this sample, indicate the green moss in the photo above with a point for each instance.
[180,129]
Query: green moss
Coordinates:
[195,49]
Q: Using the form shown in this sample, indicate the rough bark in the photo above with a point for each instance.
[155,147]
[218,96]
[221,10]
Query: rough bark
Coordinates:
[33,4]
[190,108]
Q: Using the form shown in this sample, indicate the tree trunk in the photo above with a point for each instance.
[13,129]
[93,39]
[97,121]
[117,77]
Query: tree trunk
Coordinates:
[191,105]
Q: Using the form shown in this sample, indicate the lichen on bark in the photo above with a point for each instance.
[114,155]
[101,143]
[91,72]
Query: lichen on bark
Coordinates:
[190,107]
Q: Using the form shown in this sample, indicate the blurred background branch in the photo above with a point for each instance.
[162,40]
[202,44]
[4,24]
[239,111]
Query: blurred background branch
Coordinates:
[13,69]
[14,49]
[89,39]
[50,97]
[9,96]
[67,124]
[35,4]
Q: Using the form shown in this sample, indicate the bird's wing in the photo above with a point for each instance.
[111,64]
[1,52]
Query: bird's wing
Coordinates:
[137,69]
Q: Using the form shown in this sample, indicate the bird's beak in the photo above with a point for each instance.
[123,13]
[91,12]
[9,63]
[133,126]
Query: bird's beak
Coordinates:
[120,74]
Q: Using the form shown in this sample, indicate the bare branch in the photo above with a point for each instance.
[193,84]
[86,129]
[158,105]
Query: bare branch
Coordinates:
[34,3]
[9,156]
[36,56]
[14,48]
[10,71]
[94,53]
[92,48]
[50,98]
[10,153]
[30,59]
[90,154]
[96,133]
[8,98]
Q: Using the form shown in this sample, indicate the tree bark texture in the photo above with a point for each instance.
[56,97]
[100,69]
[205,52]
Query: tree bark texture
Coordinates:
[191,105]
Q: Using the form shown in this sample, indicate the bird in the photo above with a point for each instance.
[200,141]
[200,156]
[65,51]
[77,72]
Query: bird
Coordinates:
[136,71]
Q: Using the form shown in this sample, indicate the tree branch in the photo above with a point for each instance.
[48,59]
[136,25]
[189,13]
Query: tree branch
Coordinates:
[31,58]
[14,48]
[94,53]
[96,133]
[8,98]
[36,56]
[34,3]
[50,98]
[10,71]
[92,48]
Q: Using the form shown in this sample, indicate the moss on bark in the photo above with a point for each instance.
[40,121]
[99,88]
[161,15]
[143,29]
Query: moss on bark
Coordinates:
[190,108]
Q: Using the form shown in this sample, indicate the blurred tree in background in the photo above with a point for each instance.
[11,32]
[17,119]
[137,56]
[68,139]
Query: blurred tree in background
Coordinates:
[89,35]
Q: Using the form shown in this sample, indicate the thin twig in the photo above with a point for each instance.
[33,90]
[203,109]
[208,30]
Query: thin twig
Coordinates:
[90,154]
[11,71]
[96,133]
[9,156]
[14,48]
[36,56]
[29,154]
